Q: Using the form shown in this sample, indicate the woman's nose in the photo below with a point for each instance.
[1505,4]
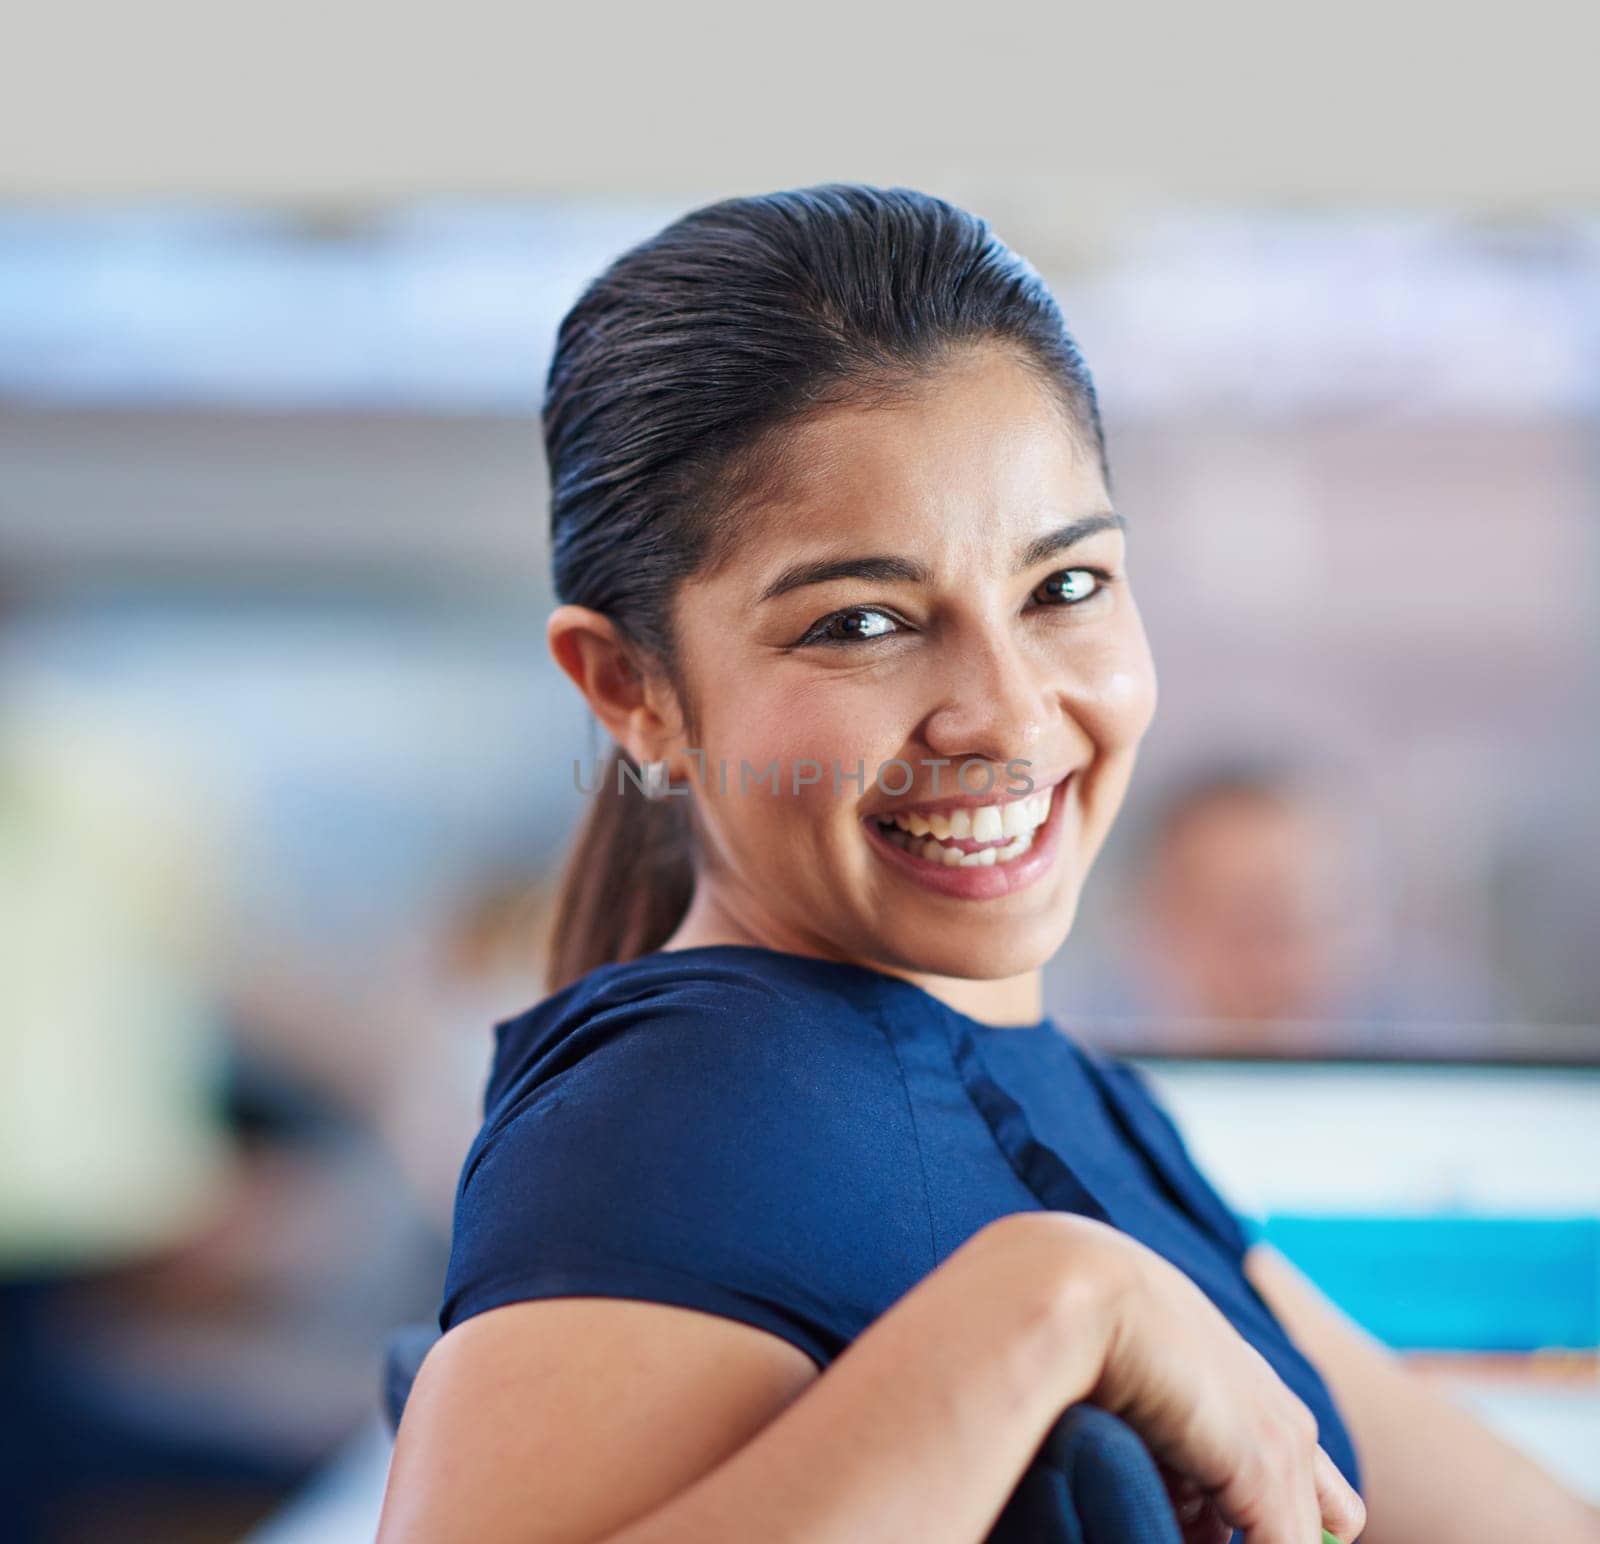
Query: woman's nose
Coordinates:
[992,706]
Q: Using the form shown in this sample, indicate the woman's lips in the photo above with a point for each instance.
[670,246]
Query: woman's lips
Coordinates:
[983,883]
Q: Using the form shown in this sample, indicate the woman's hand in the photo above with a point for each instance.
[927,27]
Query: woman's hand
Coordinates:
[1199,1521]
[1238,1447]
[1212,1410]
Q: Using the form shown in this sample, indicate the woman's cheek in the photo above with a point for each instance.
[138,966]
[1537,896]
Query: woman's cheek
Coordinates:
[847,723]
[1113,690]
[786,748]
[1128,703]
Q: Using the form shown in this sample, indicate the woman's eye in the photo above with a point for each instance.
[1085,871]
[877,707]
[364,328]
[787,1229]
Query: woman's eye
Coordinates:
[1069,586]
[858,623]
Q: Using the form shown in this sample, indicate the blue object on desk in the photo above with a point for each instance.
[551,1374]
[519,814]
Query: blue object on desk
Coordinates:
[1454,1283]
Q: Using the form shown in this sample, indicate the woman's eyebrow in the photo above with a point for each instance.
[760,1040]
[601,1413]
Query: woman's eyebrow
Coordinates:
[821,571]
[883,568]
[1052,542]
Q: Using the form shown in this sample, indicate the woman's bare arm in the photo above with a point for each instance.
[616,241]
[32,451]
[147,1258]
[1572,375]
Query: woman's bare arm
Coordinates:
[574,1418]
[1430,1470]
[596,1419]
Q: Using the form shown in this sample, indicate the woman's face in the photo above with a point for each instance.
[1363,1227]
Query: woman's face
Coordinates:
[943,581]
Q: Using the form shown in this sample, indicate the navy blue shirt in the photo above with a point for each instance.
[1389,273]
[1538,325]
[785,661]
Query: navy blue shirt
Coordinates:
[795,1143]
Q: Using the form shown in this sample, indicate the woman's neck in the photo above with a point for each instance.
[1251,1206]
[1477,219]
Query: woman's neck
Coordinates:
[1006,1001]
[1009,1001]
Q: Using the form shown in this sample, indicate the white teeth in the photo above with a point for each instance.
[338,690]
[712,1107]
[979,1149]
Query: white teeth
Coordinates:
[987,824]
[933,852]
[1015,823]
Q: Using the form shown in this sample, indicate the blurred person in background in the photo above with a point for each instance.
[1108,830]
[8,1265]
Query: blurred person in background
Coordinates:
[485,962]
[200,1244]
[482,962]
[1260,922]
[114,1146]
[111,1123]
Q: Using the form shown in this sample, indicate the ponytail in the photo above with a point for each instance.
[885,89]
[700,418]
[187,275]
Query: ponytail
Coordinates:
[627,881]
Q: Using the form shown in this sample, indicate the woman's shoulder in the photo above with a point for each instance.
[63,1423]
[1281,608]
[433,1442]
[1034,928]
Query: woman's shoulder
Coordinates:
[744,1012]
[729,1070]
[706,1129]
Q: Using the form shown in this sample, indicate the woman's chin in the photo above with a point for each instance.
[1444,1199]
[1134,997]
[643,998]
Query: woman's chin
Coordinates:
[979,951]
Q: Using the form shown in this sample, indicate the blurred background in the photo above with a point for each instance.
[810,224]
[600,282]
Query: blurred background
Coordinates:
[285,772]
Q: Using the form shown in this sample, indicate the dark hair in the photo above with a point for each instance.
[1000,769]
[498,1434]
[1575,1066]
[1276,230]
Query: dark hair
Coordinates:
[673,374]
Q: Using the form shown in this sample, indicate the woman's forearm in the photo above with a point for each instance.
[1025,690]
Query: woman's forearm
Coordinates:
[924,1426]
[1432,1470]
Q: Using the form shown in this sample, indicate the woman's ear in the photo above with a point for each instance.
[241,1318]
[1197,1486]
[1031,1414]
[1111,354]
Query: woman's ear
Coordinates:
[634,704]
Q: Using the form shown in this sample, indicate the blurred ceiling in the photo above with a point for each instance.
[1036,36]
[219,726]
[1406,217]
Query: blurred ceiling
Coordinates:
[451,306]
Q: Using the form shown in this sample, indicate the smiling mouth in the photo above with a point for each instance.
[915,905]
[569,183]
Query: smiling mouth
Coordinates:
[970,837]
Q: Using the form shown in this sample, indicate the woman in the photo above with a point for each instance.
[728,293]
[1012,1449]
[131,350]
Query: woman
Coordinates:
[792,1216]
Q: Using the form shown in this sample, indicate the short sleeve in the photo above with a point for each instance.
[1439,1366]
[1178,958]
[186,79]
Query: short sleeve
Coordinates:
[712,1144]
